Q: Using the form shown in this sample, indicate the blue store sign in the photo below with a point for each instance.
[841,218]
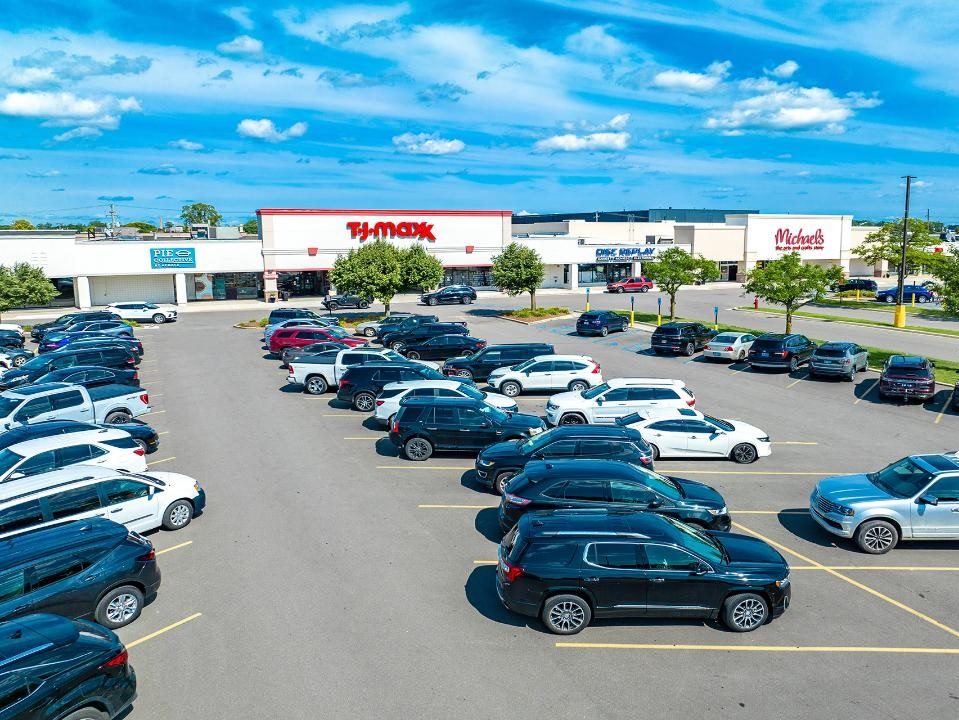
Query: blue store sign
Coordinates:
[165,258]
[623,254]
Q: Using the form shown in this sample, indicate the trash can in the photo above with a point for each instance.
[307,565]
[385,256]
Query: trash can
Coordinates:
[271,299]
[284,295]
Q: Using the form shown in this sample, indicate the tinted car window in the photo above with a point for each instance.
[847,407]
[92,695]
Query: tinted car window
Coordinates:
[617,395]
[64,400]
[118,491]
[664,394]
[20,516]
[445,416]
[39,463]
[560,448]
[625,492]
[73,502]
[77,454]
[614,555]
[667,426]
[33,408]
[552,554]
[640,394]
[471,418]
[11,585]
[591,490]
[664,557]
[48,572]
[946,490]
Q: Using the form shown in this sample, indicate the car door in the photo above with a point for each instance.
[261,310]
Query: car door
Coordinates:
[13,586]
[677,585]
[558,450]
[34,410]
[611,405]
[59,585]
[435,348]
[805,347]
[538,376]
[131,502]
[73,504]
[703,438]
[613,574]
[443,425]
[631,496]
[669,437]
[476,430]
[69,405]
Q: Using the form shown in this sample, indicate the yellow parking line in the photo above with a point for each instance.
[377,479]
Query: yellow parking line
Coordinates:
[797,381]
[945,406]
[153,395]
[896,568]
[432,506]
[152,412]
[871,386]
[484,562]
[341,415]
[157,462]
[417,466]
[172,626]
[175,547]
[793,442]
[456,507]
[763,648]
[770,512]
[854,583]
[165,432]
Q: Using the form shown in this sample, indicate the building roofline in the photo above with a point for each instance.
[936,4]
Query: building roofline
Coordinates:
[347,211]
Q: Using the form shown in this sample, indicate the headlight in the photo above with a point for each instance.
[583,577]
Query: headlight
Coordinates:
[196,486]
[764,439]
[484,463]
[720,511]
[550,406]
[847,511]
[784,583]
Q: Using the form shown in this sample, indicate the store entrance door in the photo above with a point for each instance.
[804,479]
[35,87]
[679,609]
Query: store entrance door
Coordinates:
[300,284]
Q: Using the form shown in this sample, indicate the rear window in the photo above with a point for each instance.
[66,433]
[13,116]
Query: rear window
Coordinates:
[908,370]
[759,343]
[667,330]
[126,443]
[391,393]
[725,338]
[513,544]
[830,352]
[589,316]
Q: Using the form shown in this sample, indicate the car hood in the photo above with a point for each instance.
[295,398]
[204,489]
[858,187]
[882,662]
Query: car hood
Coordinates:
[747,429]
[501,401]
[749,553]
[845,489]
[570,398]
[502,450]
[701,494]
[503,371]
[175,481]
[521,421]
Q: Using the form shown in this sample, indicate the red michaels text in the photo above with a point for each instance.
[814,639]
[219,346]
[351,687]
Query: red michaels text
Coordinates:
[789,240]
[418,230]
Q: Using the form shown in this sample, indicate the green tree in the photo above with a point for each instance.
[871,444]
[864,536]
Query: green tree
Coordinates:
[674,268]
[788,282]
[946,272]
[24,284]
[143,227]
[22,224]
[420,269]
[518,269]
[251,227]
[374,270]
[886,244]
[200,214]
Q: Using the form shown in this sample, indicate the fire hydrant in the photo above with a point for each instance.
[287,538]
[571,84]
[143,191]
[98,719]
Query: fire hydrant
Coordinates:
[755,302]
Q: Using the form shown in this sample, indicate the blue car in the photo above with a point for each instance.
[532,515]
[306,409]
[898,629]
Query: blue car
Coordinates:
[82,331]
[920,293]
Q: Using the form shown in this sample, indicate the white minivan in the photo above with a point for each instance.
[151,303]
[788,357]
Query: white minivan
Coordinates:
[617,398]
[108,447]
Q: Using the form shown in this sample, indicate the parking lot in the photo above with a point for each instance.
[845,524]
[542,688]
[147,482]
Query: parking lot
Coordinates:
[330,578]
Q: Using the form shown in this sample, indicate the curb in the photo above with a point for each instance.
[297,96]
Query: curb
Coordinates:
[538,321]
[847,322]
[238,326]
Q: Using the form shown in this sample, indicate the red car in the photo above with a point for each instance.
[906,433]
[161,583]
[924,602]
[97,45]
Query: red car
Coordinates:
[302,336]
[631,284]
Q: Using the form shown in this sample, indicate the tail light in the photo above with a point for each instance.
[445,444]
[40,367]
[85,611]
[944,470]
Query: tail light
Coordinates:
[596,369]
[148,556]
[396,427]
[380,402]
[136,374]
[516,500]
[343,383]
[691,402]
[145,398]
[118,660]
[728,349]
[140,451]
[512,572]
[290,368]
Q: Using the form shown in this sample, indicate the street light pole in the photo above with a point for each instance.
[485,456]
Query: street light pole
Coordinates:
[899,319]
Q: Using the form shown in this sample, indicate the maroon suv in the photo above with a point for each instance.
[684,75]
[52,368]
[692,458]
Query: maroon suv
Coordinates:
[908,377]
[630,284]
[303,336]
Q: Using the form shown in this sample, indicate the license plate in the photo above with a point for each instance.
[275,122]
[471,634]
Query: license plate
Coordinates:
[714,353]
[764,354]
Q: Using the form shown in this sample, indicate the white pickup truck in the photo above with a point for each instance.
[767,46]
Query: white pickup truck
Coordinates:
[64,401]
[318,373]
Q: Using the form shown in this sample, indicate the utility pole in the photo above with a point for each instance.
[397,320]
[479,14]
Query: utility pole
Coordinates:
[899,320]
[113,220]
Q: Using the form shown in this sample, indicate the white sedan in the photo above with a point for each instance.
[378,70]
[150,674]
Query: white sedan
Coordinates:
[150,312]
[110,448]
[690,434]
[729,346]
[388,401]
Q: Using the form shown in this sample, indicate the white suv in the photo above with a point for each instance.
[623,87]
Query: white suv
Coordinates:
[144,311]
[109,447]
[547,372]
[388,401]
[617,398]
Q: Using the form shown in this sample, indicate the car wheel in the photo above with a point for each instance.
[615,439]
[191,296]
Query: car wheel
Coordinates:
[741,356]
[19,360]
[745,613]
[467,300]
[851,377]
[578,386]
[431,301]
[413,355]
[159,318]
[502,480]
[619,290]
[369,332]
[364,304]
[465,374]
[876,537]
[689,349]
[119,607]
[655,451]
[744,453]
[316,385]
[364,401]
[466,353]
[88,713]
[923,299]
[397,346]
[644,289]
[142,444]
[117,416]
[572,419]
[178,515]
[793,364]
[605,331]
[510,388]
[889,299]
[566,614]
[418,449]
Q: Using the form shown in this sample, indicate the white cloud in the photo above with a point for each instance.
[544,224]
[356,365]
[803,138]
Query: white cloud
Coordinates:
[594,41]
[618,122]
[265,129]
[600,141]
[240,15]
[427,144]
[917,184]
[785,70]
[692,81]
[337,25]
[64,108]
[46,174]
[80,132]
[241,45]
[182,144]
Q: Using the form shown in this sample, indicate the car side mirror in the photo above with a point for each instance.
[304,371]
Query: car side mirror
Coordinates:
[17,475]
[928,500]
[701,569]
[599,401]
[537,456]
[655,503]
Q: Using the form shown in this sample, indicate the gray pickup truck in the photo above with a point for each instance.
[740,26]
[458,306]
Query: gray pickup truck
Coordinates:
[915,498]
[64,401]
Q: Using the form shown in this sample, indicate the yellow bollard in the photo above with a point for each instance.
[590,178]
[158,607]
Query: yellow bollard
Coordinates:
[659,319]
[899,319]
[857,295]
[632,318]
[914,299]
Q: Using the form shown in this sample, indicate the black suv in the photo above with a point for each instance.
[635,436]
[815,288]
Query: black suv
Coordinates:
[423,425]
[52,668]
[498,463]
[600,322]
[422,333]
[69,319]
[403,324]
[775,350]
[479,365]
[569,566]
[861,284]
[908,377]
[111,357]
[451,294]
[442,347]
[585,483]
[336,302]
[681,337]
[93,568]
[144,435]
[360,384]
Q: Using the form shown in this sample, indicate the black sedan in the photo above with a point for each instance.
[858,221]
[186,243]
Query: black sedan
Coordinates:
[443,347]
[335,302]
[92,376]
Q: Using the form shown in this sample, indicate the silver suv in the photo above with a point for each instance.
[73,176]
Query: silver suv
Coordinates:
[916,498]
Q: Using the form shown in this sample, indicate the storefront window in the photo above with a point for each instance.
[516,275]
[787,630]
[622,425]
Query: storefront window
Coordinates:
[472,276]
[227,286]
[604,273]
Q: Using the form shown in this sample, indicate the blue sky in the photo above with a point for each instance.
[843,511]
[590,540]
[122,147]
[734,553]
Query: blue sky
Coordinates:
[555,105]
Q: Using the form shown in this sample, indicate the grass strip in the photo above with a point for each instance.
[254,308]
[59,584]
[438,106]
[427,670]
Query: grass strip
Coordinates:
[854,320]
[538,313]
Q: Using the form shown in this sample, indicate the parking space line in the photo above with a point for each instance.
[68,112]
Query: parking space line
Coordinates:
[339,415]
[159,632]
[861,397]
[155,395]
[165,432]
[745,472]
[157,462]
[945,405]
[369,437]
[762,648]
[151,382]
[485,562]
[797,381]
[175,547]
[854,583]
[152,412]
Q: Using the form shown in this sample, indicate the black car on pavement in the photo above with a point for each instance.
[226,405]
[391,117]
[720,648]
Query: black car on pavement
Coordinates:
[783,352]
[30,371]
[570,566]
[335,302]
[463,294]
[53,668]
[92,376]
[908,377]
[360,384]
[144,435]
[10,339]
[600,322]
[498,463]
[861,284]
[422,333]
[591,483]
[65,321]
[442,347]
[99,341]
[425,425]
[404,323]
[681,337]
[480,364]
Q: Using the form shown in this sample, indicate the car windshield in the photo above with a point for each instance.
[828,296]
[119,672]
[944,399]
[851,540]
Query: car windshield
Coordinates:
[594,391]
[150,306]
[8,460]
[433,374]
[528,447]
[525,364]
[337,332]
[662,484]
[903,478]
[493,412]
[698,542]
[721,424]
[393,355]
[471,392]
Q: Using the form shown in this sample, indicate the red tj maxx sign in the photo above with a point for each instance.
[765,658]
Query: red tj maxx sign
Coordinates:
[417,230]
[788,240]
